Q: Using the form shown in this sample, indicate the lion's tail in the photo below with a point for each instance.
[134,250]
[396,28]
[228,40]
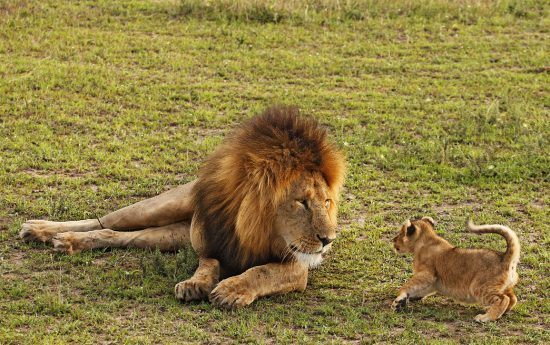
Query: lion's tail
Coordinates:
[512,251]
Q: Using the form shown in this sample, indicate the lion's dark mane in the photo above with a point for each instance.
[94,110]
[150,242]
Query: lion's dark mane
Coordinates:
[241,183]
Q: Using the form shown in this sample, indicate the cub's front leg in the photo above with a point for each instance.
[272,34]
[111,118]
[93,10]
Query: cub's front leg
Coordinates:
[419,286]
[264,280]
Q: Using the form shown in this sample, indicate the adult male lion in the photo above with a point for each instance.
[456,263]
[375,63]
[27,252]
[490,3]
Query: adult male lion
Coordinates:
[262,211]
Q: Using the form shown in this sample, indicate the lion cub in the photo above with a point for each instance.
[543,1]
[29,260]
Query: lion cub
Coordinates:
[468,275]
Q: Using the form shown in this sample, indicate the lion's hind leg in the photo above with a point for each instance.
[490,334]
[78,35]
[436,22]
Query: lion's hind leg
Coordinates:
[165,238]
[172,206]
[44,230]
[199,286]
[168,208]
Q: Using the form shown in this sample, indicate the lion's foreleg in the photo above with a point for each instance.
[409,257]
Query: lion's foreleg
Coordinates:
[165,238]
[264,280]
[207,274]
[202,282]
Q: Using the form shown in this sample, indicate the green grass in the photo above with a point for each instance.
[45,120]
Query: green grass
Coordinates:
[442,108]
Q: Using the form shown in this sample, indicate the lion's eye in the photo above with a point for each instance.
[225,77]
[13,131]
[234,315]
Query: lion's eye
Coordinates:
[327,203]
[304,203]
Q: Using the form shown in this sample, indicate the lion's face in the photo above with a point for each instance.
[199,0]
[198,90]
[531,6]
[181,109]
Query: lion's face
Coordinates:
[306,219]
[404,241]
[411,233]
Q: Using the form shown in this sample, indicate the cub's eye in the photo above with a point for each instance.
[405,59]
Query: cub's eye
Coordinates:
[304,203]
[327,203]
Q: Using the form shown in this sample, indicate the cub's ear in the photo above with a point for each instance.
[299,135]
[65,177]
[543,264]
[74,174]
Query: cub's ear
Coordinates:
[429,220]
[410,230]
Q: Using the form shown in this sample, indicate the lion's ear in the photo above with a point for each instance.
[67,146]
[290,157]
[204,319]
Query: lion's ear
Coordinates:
[429,220]
[411,229]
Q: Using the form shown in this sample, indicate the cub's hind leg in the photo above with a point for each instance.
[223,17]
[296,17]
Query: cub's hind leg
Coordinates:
[497,304]
[513,299]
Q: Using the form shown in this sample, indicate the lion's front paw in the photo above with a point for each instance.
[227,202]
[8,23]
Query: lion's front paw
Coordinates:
[38,230]
[232,293]
[482,318]
[65,243]
[399,304]
[192,290]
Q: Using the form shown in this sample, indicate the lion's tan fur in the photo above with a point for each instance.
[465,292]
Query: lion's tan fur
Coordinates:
[245,180]
[468,275]
[262,211]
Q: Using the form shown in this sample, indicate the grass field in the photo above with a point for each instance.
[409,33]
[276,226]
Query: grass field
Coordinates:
[442,108]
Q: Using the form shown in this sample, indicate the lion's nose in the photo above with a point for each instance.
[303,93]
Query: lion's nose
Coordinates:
[325,240]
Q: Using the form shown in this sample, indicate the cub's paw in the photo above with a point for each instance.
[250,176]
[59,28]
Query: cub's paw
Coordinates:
[232,293]
[38,230]
[192,290]
[65,243]
[482,318]
[399,304]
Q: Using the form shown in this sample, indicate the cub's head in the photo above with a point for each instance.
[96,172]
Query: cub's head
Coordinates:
[412,232]
[306,218]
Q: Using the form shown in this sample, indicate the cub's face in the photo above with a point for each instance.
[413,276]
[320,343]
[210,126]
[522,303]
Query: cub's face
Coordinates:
[411,233]
[306,219]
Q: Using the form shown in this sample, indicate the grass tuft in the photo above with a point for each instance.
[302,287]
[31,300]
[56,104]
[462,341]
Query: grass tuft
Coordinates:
[325,11]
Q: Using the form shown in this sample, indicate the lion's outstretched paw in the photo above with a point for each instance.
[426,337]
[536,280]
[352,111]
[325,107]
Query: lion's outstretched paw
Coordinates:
[399,304]
[192,290]
[38,230]
[483,318]
[232,293]
[65,243]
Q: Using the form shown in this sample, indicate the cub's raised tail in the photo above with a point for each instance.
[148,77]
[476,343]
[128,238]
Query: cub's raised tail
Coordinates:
[511,256]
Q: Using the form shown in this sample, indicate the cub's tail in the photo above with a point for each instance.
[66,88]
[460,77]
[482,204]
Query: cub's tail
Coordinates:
[512,252]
